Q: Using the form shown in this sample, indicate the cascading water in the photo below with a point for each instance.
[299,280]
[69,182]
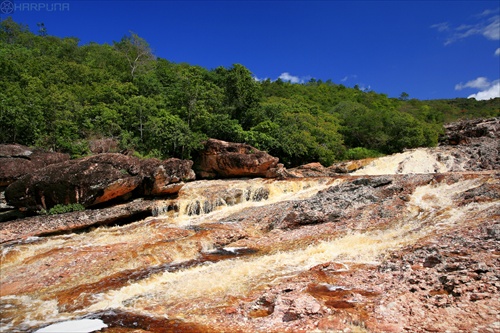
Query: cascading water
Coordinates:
[187,261]
[420,160]
[203,197]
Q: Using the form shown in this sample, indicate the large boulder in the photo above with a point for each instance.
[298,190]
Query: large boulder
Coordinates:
[226,159]
[165,177]
[96,179]
[468,131]
[17,161]
[476,143]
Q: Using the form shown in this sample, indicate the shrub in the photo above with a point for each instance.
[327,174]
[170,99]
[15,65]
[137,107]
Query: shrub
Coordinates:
[61,209]
[359,153]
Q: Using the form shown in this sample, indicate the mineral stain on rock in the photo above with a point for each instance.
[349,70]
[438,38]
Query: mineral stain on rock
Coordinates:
[353,252]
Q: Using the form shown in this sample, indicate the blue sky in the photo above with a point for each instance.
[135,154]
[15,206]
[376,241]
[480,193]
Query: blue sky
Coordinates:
[428,49]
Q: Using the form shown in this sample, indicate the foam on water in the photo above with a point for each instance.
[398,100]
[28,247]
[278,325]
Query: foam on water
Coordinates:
[413,161]
[203,201]
[431,208]
[74,326]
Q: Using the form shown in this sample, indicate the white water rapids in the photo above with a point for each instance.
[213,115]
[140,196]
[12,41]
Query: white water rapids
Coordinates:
[169,238]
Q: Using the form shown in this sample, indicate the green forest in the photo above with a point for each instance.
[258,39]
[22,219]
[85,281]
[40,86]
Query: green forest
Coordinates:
[60,95]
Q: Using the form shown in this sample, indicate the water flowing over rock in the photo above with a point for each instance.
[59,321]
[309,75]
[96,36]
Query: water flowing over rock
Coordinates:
[408,251]
[54,224]
[17,161]
[466,146]
[96,179]
[226,159]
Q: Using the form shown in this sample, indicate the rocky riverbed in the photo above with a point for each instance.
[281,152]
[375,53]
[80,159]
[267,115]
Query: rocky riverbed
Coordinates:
[312,251]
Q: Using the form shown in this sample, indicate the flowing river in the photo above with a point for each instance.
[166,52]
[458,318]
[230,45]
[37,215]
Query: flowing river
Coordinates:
[205,253]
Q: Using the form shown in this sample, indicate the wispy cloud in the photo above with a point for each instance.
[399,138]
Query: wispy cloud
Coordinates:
[497,52]
[479,83]
[348,77]
[492,30]
[486,24]
[441,27]
[487,89]
[489,12]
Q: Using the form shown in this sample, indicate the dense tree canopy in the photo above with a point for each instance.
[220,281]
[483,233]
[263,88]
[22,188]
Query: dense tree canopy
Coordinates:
[60,95]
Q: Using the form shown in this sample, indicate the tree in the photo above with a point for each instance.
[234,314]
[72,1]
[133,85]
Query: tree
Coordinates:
[168,136]
[242,92]
[404,96]
[137,52]
[42,30]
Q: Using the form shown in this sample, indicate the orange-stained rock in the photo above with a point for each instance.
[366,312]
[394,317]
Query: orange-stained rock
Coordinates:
[165,177]
[226,159]
[96,179]
[51,224]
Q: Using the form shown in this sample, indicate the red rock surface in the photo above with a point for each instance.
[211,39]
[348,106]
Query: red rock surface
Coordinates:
[96,179]
[17,161]
[392,253]
[52,224]
[402,253]
[226,159]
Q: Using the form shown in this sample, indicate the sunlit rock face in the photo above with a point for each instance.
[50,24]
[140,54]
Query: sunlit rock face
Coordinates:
[227,159]
[414,252]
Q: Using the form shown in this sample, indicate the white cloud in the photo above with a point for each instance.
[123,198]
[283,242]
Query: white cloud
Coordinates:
[492,92]
[492,30]
[288,77]
[294,79]
[362,87]
[479,83]
[486,24]
[497,52]
[258,79]
[349,77]
[488,12]
[487,89]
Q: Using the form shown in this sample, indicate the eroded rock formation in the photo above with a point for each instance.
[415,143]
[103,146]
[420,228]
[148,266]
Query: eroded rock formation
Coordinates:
[226,159]
[96,179]
[63,223]
[17,161]
[407,252]
[399,253]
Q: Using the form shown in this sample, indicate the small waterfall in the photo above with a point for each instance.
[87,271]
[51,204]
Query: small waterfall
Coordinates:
[431,209]
[204,197]
[131,268]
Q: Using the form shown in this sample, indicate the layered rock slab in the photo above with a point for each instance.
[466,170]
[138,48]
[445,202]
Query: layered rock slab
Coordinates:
[70,222]
[96,179]
[363,253]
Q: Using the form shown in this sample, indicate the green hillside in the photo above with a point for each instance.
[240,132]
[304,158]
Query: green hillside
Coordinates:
[57,94]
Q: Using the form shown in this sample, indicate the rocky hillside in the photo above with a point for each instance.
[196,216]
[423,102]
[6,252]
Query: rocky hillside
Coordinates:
[397,245]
